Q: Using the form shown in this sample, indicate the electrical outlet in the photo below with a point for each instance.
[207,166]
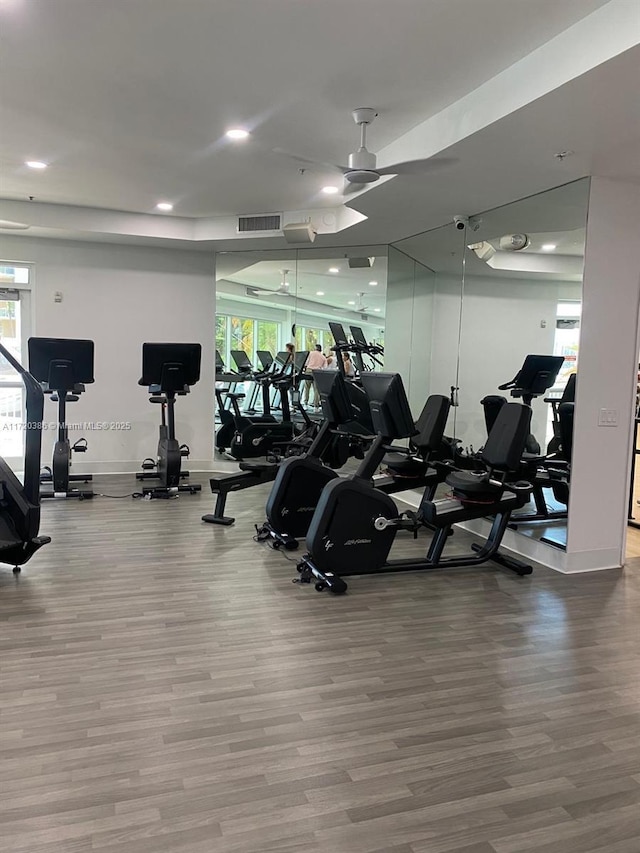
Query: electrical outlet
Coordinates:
[608,418]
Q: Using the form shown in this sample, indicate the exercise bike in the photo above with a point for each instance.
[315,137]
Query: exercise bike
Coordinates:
[63,366]
[299,483]
[168,370]
[354,525]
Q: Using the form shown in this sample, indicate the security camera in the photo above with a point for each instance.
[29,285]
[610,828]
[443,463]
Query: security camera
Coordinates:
[461,222]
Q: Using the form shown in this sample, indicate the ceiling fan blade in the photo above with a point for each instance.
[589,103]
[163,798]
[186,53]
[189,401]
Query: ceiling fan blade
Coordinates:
[284,153]
[418,167]
[350,188]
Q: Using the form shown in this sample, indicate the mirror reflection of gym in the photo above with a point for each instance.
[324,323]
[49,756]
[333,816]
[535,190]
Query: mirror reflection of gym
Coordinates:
[268,301]
[468,302]
[520,336]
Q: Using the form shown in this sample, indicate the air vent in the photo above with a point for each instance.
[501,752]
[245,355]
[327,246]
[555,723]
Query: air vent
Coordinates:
[251,224]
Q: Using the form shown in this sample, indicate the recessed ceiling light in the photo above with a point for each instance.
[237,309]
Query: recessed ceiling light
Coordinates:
[334,269]
[351,302]
[548,247]
[376,309]
[164,205]
[330,190]
[237,133]
[36,164]
[319,292]
[373,283]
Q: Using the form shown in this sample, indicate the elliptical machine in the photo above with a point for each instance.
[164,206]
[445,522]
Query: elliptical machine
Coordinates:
[168,370]
[20,504]
[63,366]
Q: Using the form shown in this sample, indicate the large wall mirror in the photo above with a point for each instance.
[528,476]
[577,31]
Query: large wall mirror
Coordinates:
[424,305]
[522,298]
[468,302]
[268,301]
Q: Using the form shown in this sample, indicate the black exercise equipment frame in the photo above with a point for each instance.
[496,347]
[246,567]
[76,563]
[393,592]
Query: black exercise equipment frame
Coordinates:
[63,366]
[168,370]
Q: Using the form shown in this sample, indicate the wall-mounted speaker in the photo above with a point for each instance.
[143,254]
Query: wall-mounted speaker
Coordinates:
[299,232]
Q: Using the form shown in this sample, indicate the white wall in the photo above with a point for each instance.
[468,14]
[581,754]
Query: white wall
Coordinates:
[606,378]
[121,296]
[501,324]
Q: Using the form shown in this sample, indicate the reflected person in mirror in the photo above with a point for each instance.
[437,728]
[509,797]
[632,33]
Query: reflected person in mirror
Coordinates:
[349,369]
[316,361]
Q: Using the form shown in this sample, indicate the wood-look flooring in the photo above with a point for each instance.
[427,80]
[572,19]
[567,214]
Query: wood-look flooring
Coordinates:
[166,687]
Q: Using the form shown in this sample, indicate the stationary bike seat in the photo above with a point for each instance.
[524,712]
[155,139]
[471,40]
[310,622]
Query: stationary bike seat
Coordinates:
[257,466]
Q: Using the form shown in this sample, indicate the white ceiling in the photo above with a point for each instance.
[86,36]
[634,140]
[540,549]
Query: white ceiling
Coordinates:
[557,216]
[128,100]
[308,276]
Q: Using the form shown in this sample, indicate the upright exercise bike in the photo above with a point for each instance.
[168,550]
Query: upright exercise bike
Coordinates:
[63,366]
[168,370]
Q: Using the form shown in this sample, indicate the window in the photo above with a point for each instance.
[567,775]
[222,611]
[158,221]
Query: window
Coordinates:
[307,338]
[242,335]
[246,334]
[267,336]
[221,336]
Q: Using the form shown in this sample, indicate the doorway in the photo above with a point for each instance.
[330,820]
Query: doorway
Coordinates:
[15,324]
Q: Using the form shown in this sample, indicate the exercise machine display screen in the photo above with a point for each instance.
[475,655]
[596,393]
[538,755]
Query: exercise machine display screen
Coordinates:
[390,411]
[358,336]
[155,356]
[43,351]
[339,336]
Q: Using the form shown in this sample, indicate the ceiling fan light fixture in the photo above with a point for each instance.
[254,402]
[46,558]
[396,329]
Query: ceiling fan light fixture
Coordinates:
[237,133]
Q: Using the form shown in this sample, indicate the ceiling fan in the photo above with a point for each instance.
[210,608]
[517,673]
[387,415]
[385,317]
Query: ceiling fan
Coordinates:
[283,290]
[360,307]
[362,169]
